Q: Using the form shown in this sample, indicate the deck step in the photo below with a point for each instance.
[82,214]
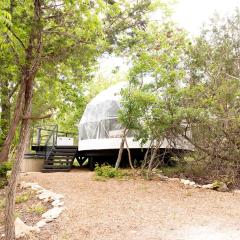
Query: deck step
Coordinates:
[60,159]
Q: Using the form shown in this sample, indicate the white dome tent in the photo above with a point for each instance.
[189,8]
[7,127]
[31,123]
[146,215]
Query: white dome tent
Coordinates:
[99,128]
[99,121]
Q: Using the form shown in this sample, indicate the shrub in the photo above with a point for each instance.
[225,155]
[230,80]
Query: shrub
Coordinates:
[4,168]
[23,197]
[108,171]
[3,182]
[39,209]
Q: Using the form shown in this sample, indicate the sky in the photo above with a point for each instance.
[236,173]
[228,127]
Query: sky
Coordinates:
[188,14]
[192,14]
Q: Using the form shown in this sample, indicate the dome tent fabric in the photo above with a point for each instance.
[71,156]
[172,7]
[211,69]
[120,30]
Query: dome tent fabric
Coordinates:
[100,115]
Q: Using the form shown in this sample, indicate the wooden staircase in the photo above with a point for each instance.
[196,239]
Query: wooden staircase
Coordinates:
[59,159]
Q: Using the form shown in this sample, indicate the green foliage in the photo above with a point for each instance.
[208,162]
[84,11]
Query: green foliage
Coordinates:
[151,103]
[191,91]
[38,209]
[3,182]
[4,168]
[5,24]
[24,197]
[107,171]
[74,37]
[213,95]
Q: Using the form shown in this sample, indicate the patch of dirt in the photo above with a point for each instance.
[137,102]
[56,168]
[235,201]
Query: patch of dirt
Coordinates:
[137,209]
[28,207]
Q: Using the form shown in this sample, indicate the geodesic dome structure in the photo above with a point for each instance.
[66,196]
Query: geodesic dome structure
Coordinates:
[100,118]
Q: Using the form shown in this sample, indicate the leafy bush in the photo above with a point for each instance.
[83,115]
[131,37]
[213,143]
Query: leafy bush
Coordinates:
[4,168]
[23,197]
[3,182]
[38,209]
[108,171]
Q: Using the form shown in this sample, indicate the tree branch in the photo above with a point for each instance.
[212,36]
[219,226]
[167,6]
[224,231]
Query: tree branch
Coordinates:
[37,117]
[19,40]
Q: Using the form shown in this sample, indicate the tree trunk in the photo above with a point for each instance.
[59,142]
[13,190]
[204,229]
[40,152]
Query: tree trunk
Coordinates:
[14,123]
[11,191]
[33,57]
[129,153]
[146,157]
[24,133]
[153,156]
[120,152]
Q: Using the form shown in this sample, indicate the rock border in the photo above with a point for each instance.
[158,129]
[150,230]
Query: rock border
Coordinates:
[222,187]
[22,229]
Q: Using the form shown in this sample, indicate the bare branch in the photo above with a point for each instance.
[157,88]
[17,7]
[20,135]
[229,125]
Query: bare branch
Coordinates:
[37,117]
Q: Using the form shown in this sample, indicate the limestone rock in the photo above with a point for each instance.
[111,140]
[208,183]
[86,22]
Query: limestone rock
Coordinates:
[173,179]
[41,223]
[188,182]
[223,188]
[208,186]
[45,195]
[21,229]
[162,177]
[52,213]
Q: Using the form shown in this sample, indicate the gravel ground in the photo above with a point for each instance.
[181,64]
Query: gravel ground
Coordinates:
[138,210]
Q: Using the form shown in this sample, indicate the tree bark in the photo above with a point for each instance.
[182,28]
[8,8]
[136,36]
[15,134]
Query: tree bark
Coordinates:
[129,153]
[15,121]
[146,157]
[120,152]
[153,157]
[33,57]
[11,191]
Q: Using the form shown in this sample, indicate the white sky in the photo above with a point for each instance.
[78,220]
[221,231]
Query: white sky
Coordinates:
[188,14]
[192,14]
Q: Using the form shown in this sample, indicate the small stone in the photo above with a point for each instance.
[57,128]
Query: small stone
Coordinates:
[186,182]
[52,213]
[40,224]
[162,177]
[173,179]
[57,203]
[237,191]
[192,183]
[48,220]
[207,186]
[223,188]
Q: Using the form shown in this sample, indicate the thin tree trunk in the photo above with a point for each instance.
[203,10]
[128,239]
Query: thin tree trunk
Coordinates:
[14,123]
[33,57]
[11,191]
[153,156]
[120,152]
[145,157]
[24,136]
[129,153]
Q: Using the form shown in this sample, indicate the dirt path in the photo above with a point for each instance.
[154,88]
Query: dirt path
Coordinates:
[138,210]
